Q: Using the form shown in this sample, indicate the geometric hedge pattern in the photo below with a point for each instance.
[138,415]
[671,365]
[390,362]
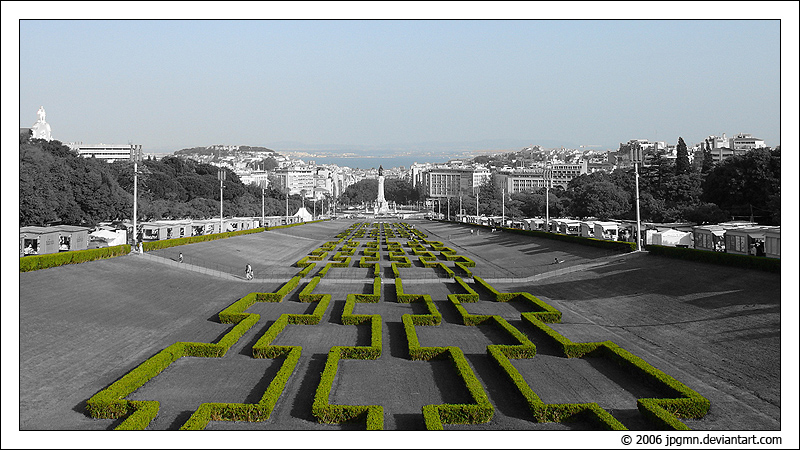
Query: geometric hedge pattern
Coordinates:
[404,252]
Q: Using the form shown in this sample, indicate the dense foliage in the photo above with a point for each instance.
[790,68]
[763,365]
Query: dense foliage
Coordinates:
[366,191]
[57,186]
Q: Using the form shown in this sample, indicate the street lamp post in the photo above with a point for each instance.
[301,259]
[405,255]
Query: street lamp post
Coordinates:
[477,194]
[548,178]
[636,157]
[448,208]
[503,217]
[263,187]
[221,175]
[136,155]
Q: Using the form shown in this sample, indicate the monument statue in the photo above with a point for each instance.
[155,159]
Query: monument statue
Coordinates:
[382,206]
[41,129]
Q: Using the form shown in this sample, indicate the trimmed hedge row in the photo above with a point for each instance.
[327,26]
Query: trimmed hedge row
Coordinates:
[661,412]
[481,411]
[726,259]
[321,407]
[435,416]
[545,313]
[339,263]
[167,243]
[434,317]
[396,267]
[263,348]
[621,246]
[38,262]
[569,348]
[235,312]
[543,412]
[110,403]
[141,414]
[249,412]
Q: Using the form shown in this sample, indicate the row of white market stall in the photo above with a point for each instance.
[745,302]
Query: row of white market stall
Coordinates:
[739,237]
[35,240]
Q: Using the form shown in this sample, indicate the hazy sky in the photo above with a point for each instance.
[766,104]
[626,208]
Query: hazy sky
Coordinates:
[173,84]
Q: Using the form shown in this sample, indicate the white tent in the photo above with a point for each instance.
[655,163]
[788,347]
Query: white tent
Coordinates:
[672,238]
[303,214]
[110,238]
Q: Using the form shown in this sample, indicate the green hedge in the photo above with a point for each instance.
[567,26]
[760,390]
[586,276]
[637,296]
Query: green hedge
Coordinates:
[569,348]
[662,412]
[543,412]
[321,407]
[166,243]
[247,411]
[620,246]
[235,312]
[726,259]
[37,262]
[339,263]
[110,403]
[263,348]
[544,311]
[141,414]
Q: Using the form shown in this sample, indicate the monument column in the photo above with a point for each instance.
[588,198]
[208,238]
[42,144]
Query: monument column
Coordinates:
[382,206]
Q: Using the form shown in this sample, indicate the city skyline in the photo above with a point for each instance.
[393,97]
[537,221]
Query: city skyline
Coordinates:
[400,84]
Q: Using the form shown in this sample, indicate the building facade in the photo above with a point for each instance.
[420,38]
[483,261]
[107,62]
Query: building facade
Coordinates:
[297,179]
[108,152]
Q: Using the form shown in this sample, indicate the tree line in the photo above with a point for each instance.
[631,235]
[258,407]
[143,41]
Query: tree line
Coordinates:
[58,186]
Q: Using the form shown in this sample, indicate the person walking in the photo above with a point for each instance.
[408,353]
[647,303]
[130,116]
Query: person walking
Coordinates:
[180,257]
[248,272]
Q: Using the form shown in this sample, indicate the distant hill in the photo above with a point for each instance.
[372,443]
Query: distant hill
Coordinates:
[222,150]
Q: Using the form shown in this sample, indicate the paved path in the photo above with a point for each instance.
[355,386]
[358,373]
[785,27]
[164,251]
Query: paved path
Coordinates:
[225,275]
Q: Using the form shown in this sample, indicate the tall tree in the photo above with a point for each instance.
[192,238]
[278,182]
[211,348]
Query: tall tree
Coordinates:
[682,165]
[708,160]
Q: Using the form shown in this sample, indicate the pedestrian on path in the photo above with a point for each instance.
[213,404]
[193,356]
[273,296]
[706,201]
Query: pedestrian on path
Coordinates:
[180,257]
[248,272]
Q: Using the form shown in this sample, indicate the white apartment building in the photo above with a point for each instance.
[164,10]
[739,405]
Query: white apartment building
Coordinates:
[452,181]
[525,180]
[107,152]
[745,142]
[297,179]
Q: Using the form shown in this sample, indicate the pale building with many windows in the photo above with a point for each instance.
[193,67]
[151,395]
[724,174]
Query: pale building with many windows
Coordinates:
[452,181]
[297,179]
[107,152]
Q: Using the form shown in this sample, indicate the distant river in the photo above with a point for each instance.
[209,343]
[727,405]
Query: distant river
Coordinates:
[388,162]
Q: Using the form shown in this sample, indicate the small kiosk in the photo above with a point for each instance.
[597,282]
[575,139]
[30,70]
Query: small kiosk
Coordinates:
[587,229]
[569,226]
[38,240]
[745,241]
[606,230]
[709,237]
[72,238]
[772,243]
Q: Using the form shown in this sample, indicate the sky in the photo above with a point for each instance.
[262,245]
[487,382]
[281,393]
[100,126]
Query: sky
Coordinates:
[172,84]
